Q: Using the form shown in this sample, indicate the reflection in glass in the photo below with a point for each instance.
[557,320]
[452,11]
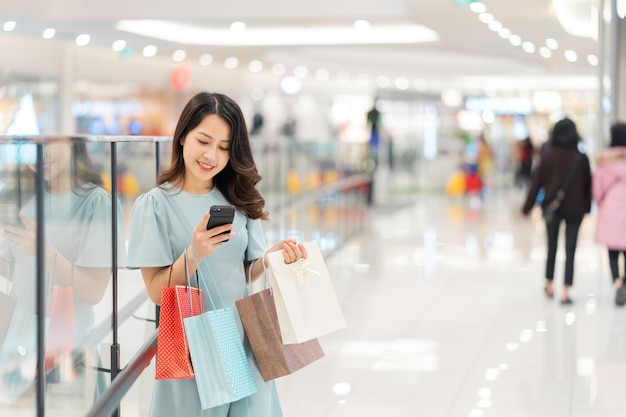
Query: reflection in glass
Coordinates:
[78,242]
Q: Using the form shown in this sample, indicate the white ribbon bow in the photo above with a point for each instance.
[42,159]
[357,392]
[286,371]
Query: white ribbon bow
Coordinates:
[299,268]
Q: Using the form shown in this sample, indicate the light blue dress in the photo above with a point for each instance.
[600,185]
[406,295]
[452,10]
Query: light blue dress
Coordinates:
[161,225]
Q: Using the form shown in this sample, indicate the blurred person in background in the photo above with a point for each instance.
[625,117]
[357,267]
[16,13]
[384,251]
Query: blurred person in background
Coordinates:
[525,155]
[609,192]
[560,158]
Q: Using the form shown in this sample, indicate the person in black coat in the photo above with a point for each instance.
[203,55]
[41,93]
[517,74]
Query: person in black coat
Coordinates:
[550,175]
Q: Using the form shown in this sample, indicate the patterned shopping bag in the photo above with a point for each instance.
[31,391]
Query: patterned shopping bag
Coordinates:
[172,360]
[220,363]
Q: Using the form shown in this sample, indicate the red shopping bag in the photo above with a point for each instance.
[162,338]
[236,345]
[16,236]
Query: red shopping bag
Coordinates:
[173,360]
[61,338]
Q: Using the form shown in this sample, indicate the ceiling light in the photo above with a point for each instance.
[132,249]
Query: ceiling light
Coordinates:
[9,26]
[552,44]
[528,47]
[231,62]
[592,60]
[205,59]
[290,85]
[383,81]
[515,40]
[621,9]
[237,27]
[278,69]
[255,66]
[504,33]
[545,52]
[322,74]
[494,26]
[478,7]
[49,33]
[362,25]
[485,17]
[317,35]
[83,39]
[179,55]
[301,71]
[118,45]
[149,51]
[571,56]
[401,83]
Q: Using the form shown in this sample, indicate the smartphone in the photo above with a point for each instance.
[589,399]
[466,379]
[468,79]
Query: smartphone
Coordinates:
[221,215]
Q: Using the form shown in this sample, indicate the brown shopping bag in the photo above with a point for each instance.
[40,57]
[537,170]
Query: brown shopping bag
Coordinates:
[275,359]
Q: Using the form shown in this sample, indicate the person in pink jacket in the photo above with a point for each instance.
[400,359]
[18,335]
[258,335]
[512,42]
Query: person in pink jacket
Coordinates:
[609,192]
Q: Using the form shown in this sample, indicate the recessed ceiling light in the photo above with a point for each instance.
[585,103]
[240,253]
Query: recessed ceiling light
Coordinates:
[401,83]
[528,47]
[478,7]
[515,40]
[255,66]
[205,59]
[49,33]
[383,81]
[552,44]
[592,60]
[179,55]
[150,51]
[9,26]
[83,39]
[504,33]
[119,45]
[494,26]
[301,71]
[231,62]
[571,56]
[278,69]
[485,17]
[545,52]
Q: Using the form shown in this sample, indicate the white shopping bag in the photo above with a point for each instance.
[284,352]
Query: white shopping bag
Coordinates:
[306,302]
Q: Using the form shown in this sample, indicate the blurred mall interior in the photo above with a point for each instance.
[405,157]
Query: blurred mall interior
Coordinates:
[367,121]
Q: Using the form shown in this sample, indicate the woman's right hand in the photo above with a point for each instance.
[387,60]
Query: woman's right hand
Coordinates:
[205,242]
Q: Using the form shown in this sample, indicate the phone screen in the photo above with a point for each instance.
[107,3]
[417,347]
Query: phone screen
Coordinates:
[221,215]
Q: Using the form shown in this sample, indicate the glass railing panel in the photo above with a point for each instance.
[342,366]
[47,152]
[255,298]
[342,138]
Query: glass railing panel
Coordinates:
[79,265]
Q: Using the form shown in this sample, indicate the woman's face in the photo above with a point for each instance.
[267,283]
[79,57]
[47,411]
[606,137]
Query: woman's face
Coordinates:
[57,163]
[205,153]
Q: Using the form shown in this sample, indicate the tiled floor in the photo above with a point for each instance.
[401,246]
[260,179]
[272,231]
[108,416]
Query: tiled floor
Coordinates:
[447,318]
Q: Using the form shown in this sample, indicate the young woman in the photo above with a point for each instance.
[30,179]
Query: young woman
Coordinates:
[609,192]
[212,164]
[550,175]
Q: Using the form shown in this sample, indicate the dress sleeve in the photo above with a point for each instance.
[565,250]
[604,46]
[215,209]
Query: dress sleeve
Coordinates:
[94,228]
[148,243]
[256,240]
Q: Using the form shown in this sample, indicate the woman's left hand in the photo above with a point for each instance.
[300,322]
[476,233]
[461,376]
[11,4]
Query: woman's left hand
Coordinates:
[292,250]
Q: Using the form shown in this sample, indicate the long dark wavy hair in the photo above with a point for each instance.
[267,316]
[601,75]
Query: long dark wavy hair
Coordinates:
[238,180]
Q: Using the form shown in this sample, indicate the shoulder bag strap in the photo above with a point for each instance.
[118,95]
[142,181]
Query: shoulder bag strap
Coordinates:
[570,176]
